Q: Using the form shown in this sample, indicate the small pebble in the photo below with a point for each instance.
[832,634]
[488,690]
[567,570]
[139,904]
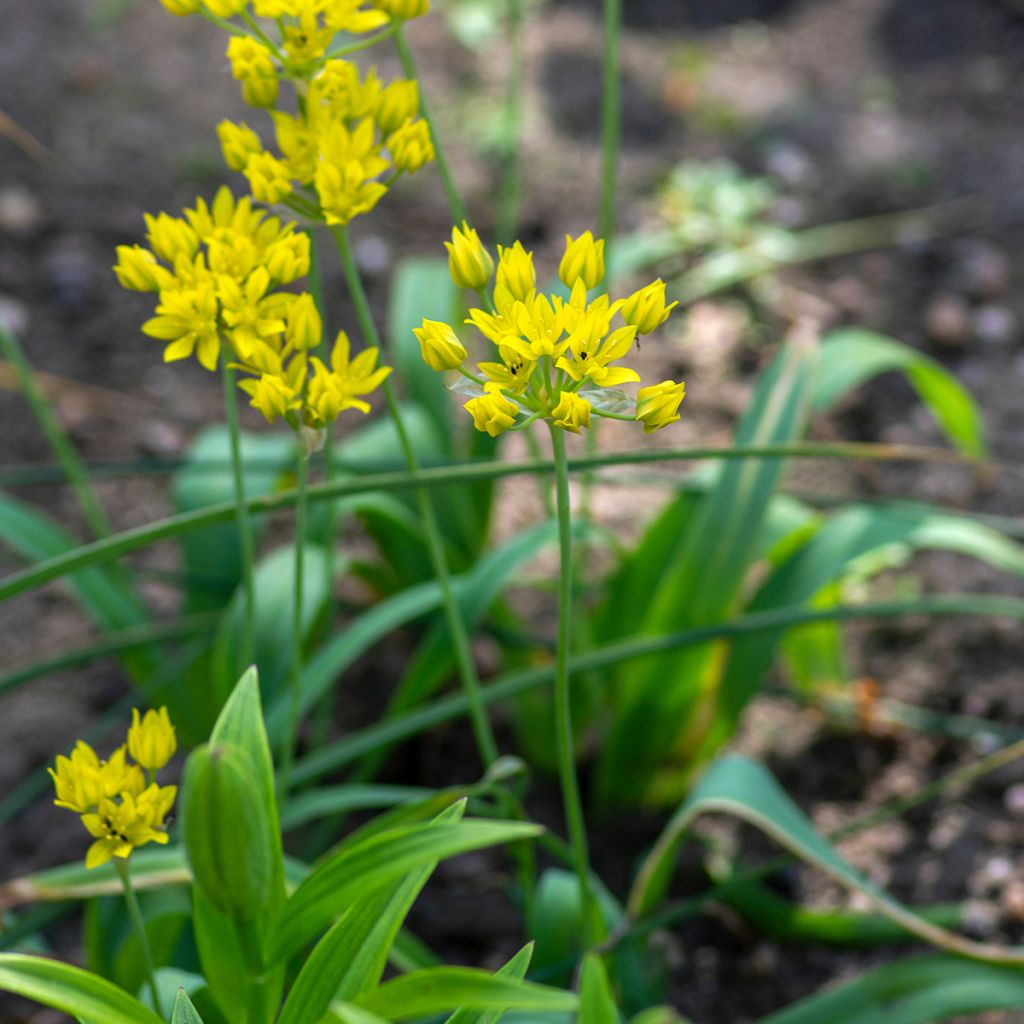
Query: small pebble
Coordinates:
[1014,800]
[947,320]
[980,918]
[997,869]
[984,270]
[1012,900]
[21,213]
[996,325]
[13,315]
[373,254]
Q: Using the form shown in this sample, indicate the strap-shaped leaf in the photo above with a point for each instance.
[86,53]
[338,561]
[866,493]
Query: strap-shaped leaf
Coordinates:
[184,1012]
[514,968]
[740,787]
[71,990]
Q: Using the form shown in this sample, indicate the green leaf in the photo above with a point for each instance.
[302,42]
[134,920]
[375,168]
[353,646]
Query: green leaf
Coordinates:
[597,1004]
[514,968]
[438,989]
[184,1012]
[334,801]
[912,991]
[852,356]
[212,556]
[71,990]
[421,290]
[740,787]
[353,871]
[351,957]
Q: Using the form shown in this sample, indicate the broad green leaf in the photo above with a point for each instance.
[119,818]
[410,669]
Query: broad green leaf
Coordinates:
[352,955]
[332,801]
[440,989]
[852,356]
[740,787]
[916,990]
[212,556]
[71,990]
[330,888]
[184,1012]
[514,968]
[346,1013]
[702,583]
[597,1004]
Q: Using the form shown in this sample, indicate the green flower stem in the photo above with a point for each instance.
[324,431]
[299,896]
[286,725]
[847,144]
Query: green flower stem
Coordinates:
[59,441]
[288,743]
[228,26]
[409,67]
[245,538]
[509,186]
[261,35]
[610,119]
[575,825]
[121,864]
[485,741]
[363,44]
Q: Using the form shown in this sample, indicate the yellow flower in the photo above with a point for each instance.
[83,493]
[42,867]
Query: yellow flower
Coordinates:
[591,356]
[138,269]
[252,64]
[271,395]
[345,192]
[403,9]
[120,827]
[349,16]
[188,320]
[305,43]
[182,7]
[512,373]
[645,309]
[239,143]
[492,412]
[399,102]
[305,327]
[333,391]
[248,312]
[268,178]
[469,263]
[516,272]
[656,405]
[572,412]
[411,147]
[583,261]
[225,8]
[171,237]
[287,257]
[151,740]
[439,345]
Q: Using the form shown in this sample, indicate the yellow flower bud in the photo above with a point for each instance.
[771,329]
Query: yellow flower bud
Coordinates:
[656,405]
[572,412]
[516,273]
[305,328]
[252,64]
[287,259]
[411,147]
[268,178]
[239,143]
[171,237]
[138,270]
[403,9]
[492,413]
[225,8]
[469,262]
[182,7]
[645,309]
[439,345]
[270,395]
[583,260]
[399,102]
[151,740]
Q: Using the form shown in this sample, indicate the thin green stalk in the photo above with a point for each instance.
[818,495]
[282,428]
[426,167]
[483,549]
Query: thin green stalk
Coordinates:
[509,185]
[610,118]
[362,44]
[242,520]
[485,741]
[295,668]
[121,864]
[59,441]
[575,824]
[447,181]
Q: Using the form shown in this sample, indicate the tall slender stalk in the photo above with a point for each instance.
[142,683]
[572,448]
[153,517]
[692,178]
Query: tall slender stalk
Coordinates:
[295,667]
[509,185]
[121,865]
[244,523]
[575,824]
[485,741]
[447,181]
[59,441]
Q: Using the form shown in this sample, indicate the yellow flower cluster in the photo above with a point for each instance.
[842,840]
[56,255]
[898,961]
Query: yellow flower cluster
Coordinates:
[350,137]
[556,355]
[120,803]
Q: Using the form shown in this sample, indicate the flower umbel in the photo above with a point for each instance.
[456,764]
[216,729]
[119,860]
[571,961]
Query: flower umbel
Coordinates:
[120,804]
[556,356]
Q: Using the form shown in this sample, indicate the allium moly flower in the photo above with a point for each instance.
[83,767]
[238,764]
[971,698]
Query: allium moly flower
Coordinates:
[557,358]
[119,807]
